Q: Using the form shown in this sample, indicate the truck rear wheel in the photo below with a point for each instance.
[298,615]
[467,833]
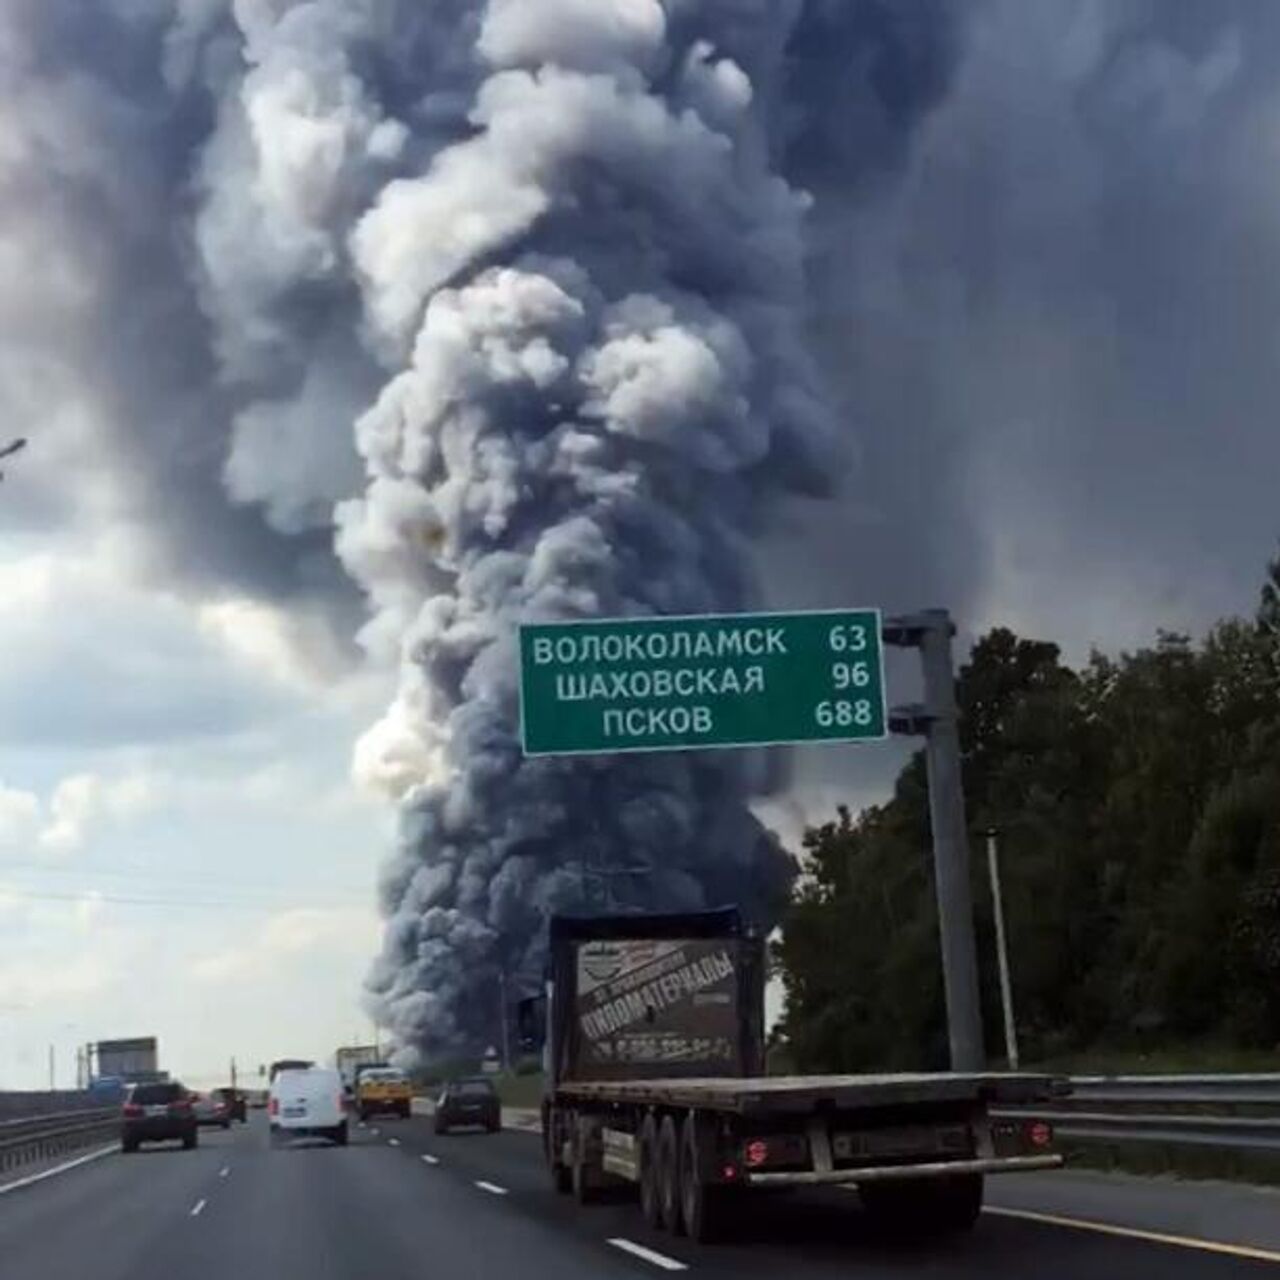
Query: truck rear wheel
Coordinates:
[586,1188]
[650,1194]
[669,1177]
[928,1206]
[561,1177]
[703,1205]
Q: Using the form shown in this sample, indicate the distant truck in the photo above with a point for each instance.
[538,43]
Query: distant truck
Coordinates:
[136,1059]
[655,1076]
[351,1056]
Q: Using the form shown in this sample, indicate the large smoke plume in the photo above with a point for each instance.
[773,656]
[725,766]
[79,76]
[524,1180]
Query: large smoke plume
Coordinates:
[538,297]
[587,277]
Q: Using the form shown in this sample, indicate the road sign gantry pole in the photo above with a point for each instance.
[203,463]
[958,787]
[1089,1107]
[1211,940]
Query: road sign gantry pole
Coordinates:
[937,720]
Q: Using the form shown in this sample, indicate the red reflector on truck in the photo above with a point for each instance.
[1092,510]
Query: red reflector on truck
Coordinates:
[757,1152]
[1040,1132]
[729,1173]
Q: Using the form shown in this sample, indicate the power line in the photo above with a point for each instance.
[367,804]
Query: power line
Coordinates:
[138,872]
[93,895]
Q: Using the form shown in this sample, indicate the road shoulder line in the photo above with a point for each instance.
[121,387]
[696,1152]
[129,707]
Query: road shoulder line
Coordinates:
[68,1165]
[1137,1233]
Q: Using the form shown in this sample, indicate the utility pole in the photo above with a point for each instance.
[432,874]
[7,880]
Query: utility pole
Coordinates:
[1002,949]
[502,1015]
[52,1086]
[233,1075]
[931,631]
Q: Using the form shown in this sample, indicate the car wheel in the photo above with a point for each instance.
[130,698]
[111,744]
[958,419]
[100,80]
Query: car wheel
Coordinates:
[128,1147]
[190,1141]
[339,1135]
[226,1124]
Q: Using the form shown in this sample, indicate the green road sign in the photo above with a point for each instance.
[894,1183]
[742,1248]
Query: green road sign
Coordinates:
[678,684]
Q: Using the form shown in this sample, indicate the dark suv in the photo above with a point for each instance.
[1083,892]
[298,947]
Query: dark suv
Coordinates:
[157,1113]
[468,1102]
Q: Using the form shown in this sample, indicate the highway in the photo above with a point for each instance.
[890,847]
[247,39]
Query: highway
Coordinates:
[400,1202]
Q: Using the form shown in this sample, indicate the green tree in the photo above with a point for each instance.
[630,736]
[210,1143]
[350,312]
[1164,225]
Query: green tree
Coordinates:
[1138,804]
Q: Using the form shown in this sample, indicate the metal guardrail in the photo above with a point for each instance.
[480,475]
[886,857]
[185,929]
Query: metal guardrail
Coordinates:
[35,1138]
[1229,1112]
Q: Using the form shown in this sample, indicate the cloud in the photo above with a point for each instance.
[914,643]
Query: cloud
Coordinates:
[19,816]
[286,937]
[81,803]
[295,648]
[92,659]
[49,980]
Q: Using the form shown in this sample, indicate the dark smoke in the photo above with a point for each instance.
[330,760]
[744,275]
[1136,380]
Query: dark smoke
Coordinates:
[602,293]
[553,257]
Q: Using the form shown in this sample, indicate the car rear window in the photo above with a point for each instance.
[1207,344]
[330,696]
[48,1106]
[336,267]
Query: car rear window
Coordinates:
[472,1089]
[145,1094]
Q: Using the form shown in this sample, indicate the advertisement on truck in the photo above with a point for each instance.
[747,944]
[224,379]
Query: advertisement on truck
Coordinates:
[644,1002]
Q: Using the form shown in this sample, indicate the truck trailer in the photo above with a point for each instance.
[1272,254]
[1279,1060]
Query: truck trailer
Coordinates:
[656,1077]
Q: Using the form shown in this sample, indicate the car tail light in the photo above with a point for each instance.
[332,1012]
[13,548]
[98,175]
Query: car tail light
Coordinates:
[756,1153]
[132,1109]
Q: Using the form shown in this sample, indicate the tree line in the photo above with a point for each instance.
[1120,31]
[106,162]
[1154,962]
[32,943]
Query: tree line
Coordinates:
[1138,804]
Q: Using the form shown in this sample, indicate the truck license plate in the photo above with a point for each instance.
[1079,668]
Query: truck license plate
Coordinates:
[294,1113]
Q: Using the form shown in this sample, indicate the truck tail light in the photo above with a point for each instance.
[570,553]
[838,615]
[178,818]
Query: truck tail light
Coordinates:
[729,1173]
[756,1153]
[273,1107]
[1039,1133]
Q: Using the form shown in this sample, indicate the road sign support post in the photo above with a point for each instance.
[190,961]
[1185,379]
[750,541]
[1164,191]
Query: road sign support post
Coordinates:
[931,631]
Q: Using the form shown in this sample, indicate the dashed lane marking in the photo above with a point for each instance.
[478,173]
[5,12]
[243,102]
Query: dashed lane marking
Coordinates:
[648,1255]
[226,1169]
[430,1159]
[393,1142]
[492,1188]
[198,1208]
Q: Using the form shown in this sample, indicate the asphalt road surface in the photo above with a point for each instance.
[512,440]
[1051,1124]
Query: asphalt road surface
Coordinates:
[400,1202]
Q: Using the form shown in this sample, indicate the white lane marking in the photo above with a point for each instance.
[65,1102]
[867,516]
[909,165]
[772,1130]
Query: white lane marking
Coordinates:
[393,1142]
[226,1169]
[1137,1233]
[431,1159]
[649,1255]
[492,1188]
[33,1178]
[375,1132]
[198,1208]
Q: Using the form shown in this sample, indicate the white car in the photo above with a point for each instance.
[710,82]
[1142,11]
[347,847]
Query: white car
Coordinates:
[308,1104]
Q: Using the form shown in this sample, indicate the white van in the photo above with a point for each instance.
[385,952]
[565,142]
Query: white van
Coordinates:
[308,1103]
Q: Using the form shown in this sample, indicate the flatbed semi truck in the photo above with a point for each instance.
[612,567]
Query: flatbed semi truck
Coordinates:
[655,1069]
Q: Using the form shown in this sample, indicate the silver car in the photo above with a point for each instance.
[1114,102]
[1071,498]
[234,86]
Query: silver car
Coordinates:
[211,1108]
